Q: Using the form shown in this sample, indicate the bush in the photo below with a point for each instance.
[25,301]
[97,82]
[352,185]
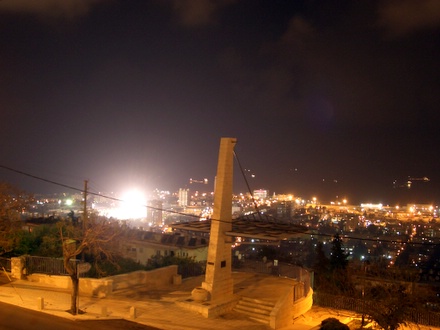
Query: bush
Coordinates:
[332,323]
[118,265]
[187,266]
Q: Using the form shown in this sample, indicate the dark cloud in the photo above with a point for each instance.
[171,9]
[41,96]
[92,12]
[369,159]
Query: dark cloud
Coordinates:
[298,32]
[198,12]
[50,8]
[400,17]
[145,89]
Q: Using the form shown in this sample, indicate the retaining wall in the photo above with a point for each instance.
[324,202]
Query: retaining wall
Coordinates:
[153,279]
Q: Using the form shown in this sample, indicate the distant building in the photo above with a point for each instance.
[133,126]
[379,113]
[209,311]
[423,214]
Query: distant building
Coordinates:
[183,197]
[260,194]
[154,213]
[147,244]
[284,210]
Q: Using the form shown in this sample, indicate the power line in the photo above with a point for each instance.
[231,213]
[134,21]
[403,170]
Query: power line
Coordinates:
[199,217]
[247,183]
[39,178]
[92,193]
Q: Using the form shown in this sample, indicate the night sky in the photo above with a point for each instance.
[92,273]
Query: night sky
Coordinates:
[326,98]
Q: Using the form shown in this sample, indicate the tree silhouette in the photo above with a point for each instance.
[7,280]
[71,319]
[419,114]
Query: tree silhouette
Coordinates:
[390,305]
[13,202]
[338,258]
[99,238]
[321,267]
[332,323]
[341,280]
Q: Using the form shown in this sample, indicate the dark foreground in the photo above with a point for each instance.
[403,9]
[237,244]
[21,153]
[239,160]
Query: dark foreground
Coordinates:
[17,318]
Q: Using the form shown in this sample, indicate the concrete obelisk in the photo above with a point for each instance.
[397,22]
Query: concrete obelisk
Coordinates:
[218,278]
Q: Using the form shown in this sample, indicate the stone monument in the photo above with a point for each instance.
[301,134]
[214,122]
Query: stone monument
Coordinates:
[218,277]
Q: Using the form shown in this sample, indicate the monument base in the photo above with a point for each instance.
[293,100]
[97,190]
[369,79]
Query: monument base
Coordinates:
[209,309]
[220,289]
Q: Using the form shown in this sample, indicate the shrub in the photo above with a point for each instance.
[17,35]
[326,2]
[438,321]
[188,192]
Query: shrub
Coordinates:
[332,323]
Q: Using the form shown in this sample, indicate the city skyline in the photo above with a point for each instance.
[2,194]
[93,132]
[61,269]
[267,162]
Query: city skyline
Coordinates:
[325,98]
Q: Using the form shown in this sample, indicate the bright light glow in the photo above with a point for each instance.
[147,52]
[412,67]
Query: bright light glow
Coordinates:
[133,206]
[69,202]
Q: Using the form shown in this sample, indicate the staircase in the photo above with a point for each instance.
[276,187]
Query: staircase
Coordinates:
[258,310]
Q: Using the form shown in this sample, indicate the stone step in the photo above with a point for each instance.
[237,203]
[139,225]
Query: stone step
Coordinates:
[253,305]
[256,309]
[252,309]
[258,301]
[254,316]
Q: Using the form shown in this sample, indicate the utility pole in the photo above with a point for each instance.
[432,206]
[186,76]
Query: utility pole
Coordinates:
[85,206]
[84,222]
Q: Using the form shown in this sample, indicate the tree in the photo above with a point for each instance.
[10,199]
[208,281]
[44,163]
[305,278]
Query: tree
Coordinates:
[360,250]
[341,280]
[49,243]
[338,258]
[13,202]
[321,266]
[99,238]
[390,305]
[187,266]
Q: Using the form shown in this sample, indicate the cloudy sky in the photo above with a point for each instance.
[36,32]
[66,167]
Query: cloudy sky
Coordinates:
[325,97]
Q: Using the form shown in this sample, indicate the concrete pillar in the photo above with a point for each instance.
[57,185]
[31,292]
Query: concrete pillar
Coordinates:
[218,277]
[133,312]
[17,266]
[40,303]
[177,279]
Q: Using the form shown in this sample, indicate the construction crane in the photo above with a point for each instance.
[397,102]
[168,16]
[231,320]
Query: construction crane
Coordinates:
[424,179]
[204,181]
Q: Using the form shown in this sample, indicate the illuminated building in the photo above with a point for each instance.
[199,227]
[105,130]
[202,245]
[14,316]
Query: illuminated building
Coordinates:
[183,197]
[154,213]
[260,194]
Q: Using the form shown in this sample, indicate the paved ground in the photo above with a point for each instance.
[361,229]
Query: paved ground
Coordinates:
[155,308]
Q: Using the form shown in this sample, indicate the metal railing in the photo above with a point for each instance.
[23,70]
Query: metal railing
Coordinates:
[361,306]
[46,265]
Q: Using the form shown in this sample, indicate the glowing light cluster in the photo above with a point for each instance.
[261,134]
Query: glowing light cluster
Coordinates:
[133,206]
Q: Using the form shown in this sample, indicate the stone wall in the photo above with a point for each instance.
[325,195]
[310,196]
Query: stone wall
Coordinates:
[286,309]
[302,305]
[154,279]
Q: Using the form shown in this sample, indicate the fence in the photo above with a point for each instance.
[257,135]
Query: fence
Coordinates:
[46,265]
[339,302]
[361,306]
[5,263]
